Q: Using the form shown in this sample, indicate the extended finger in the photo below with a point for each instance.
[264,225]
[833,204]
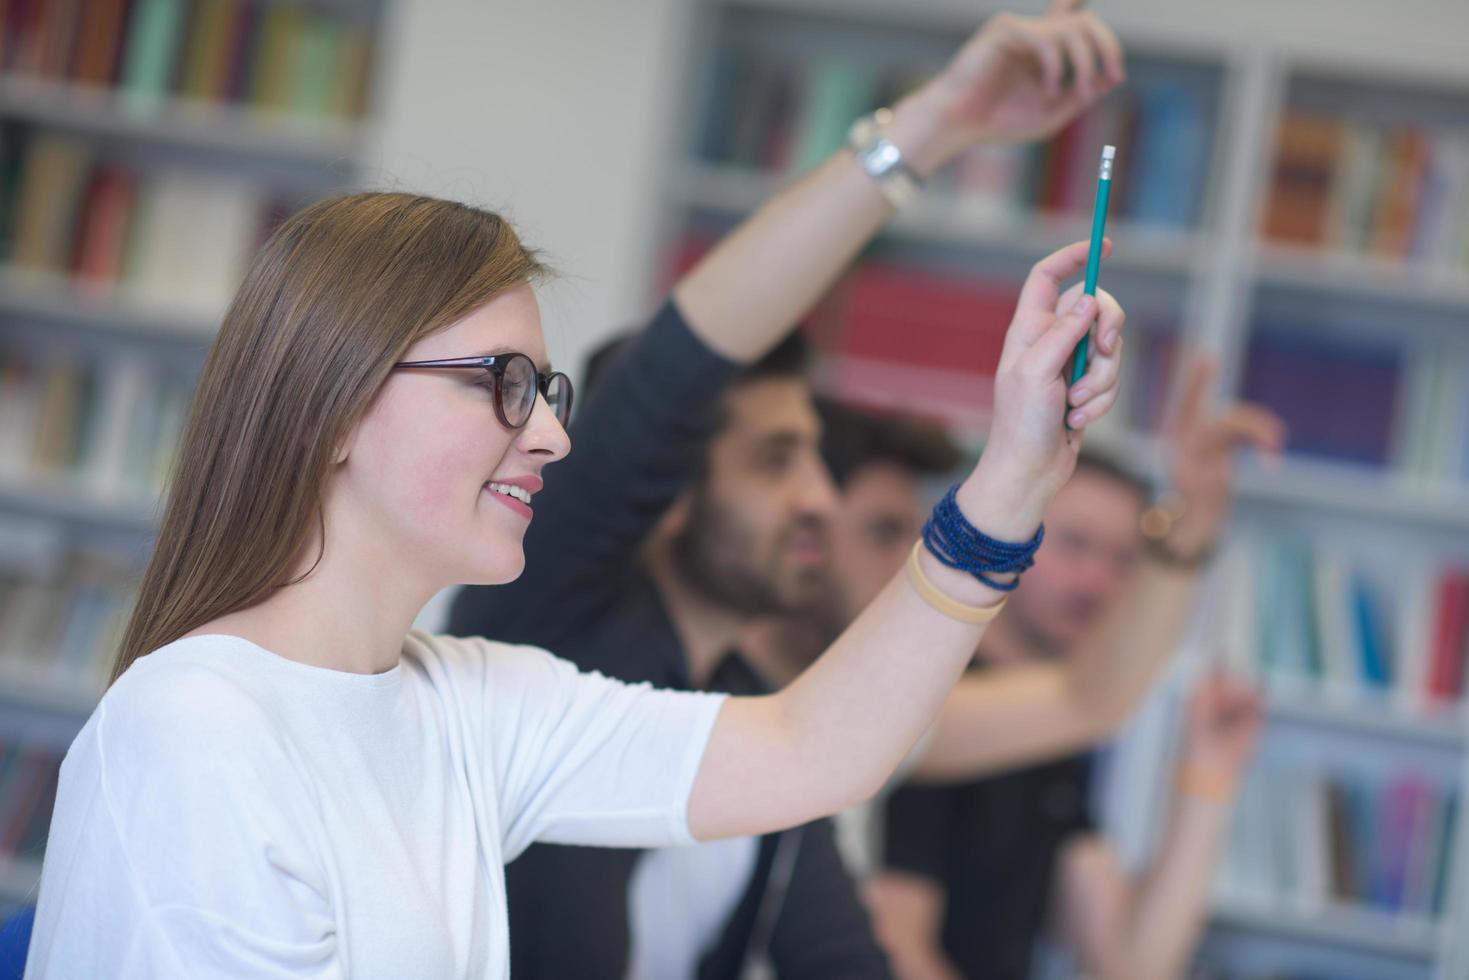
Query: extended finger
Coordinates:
[1248,425]
[1102,376]
[1197,380]
[1080,418]
[1083,59]
[1113,58]
[1047,52]
[1043,283]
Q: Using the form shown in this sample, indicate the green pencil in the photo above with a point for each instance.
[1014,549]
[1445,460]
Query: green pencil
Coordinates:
[1094,257]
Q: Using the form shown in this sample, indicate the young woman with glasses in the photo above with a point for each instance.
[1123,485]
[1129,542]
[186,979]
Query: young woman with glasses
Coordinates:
[285,781]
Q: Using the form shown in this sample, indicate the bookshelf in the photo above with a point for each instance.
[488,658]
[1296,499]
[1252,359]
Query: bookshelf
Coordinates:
[146,148]
[1369,284]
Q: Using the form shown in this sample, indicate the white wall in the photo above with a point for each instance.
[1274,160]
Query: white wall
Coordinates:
[557,113]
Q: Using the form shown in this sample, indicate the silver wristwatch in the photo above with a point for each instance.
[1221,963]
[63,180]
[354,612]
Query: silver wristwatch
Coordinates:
[882,159]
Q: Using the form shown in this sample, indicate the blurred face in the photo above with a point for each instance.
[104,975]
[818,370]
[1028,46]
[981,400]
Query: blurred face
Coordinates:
[1091,547]
[876,525]
[418,470]
[756,534]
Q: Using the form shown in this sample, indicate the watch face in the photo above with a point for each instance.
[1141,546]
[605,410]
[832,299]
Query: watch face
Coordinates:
[884,156]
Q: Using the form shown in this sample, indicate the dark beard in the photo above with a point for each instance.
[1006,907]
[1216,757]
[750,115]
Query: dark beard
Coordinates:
[713,554]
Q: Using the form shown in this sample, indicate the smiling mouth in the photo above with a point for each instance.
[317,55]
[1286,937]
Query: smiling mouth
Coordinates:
[515,493]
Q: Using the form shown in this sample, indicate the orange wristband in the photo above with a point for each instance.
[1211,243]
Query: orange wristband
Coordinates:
[1205,783]
[953,608]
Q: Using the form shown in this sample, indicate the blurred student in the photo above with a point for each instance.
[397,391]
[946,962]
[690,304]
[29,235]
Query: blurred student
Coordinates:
[667,609]
[974,871]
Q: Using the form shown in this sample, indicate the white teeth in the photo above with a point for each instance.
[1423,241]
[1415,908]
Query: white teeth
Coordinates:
[519,493]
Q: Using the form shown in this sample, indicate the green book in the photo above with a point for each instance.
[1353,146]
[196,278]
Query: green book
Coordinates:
[836,93]
[151,44]
[314,75]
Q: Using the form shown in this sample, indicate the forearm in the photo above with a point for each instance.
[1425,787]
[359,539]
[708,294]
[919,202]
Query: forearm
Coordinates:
[762,278]
[1172,896]
[1119,660]
[833,737]
[1025,713]
[907,914]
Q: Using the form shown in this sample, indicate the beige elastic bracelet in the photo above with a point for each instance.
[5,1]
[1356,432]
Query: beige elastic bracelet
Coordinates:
[953,608]
[1205,783]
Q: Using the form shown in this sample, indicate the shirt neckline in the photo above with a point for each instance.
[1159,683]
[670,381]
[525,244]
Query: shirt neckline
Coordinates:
[388,679]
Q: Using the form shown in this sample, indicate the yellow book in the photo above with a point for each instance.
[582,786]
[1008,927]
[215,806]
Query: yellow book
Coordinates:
[273,62]
[52,182]
[60,416]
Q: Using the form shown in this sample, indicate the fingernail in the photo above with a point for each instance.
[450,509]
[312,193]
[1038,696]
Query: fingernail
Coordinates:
[1077,418]
[1080,395]
[1083,305]
[1111,339]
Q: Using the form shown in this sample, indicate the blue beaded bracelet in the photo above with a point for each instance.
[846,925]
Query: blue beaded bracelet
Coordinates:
[959,544]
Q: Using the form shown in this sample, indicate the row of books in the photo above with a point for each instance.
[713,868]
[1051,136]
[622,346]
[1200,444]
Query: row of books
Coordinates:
[62,630]
[1365,400]
[107,428]
[28,778]
[1309,620]
[296,58]
[1399,191]
[760,112]
[1308,840]
[891,335]
[178,240]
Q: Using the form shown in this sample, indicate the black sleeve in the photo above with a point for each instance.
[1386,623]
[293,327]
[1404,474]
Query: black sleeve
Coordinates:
[822,931]
[635,444]
[917,831]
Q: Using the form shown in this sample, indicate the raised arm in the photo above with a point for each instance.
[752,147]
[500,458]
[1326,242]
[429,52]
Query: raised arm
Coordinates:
[1004,86]
[834,736]
[1145,928]
[1008,717]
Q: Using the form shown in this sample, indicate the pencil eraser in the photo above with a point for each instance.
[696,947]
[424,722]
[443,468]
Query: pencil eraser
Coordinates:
[1109,152]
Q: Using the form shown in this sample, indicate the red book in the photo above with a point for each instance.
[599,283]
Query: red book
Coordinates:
[1451,623]
[1060,161]
[893,335]
[100,39]
[101,239]
[59,37]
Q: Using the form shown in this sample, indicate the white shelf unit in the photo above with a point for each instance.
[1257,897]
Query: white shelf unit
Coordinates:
[1224,267]
[190,124]
[295,158]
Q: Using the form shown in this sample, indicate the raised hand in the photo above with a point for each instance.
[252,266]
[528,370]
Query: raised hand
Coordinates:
[1030,450]
[1009,84]
[1201,446]
[1223,725]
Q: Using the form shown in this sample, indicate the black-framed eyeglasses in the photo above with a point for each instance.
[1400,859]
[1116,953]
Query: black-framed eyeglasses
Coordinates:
[515,383]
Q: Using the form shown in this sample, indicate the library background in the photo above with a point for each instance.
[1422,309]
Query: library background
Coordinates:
[1291,195]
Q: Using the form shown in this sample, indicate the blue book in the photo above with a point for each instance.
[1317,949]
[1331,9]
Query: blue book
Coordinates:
[718,90]
[1376,671]
[1171,148]
[1447,853]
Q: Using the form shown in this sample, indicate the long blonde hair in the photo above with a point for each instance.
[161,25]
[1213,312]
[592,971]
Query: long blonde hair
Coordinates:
[332,300]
